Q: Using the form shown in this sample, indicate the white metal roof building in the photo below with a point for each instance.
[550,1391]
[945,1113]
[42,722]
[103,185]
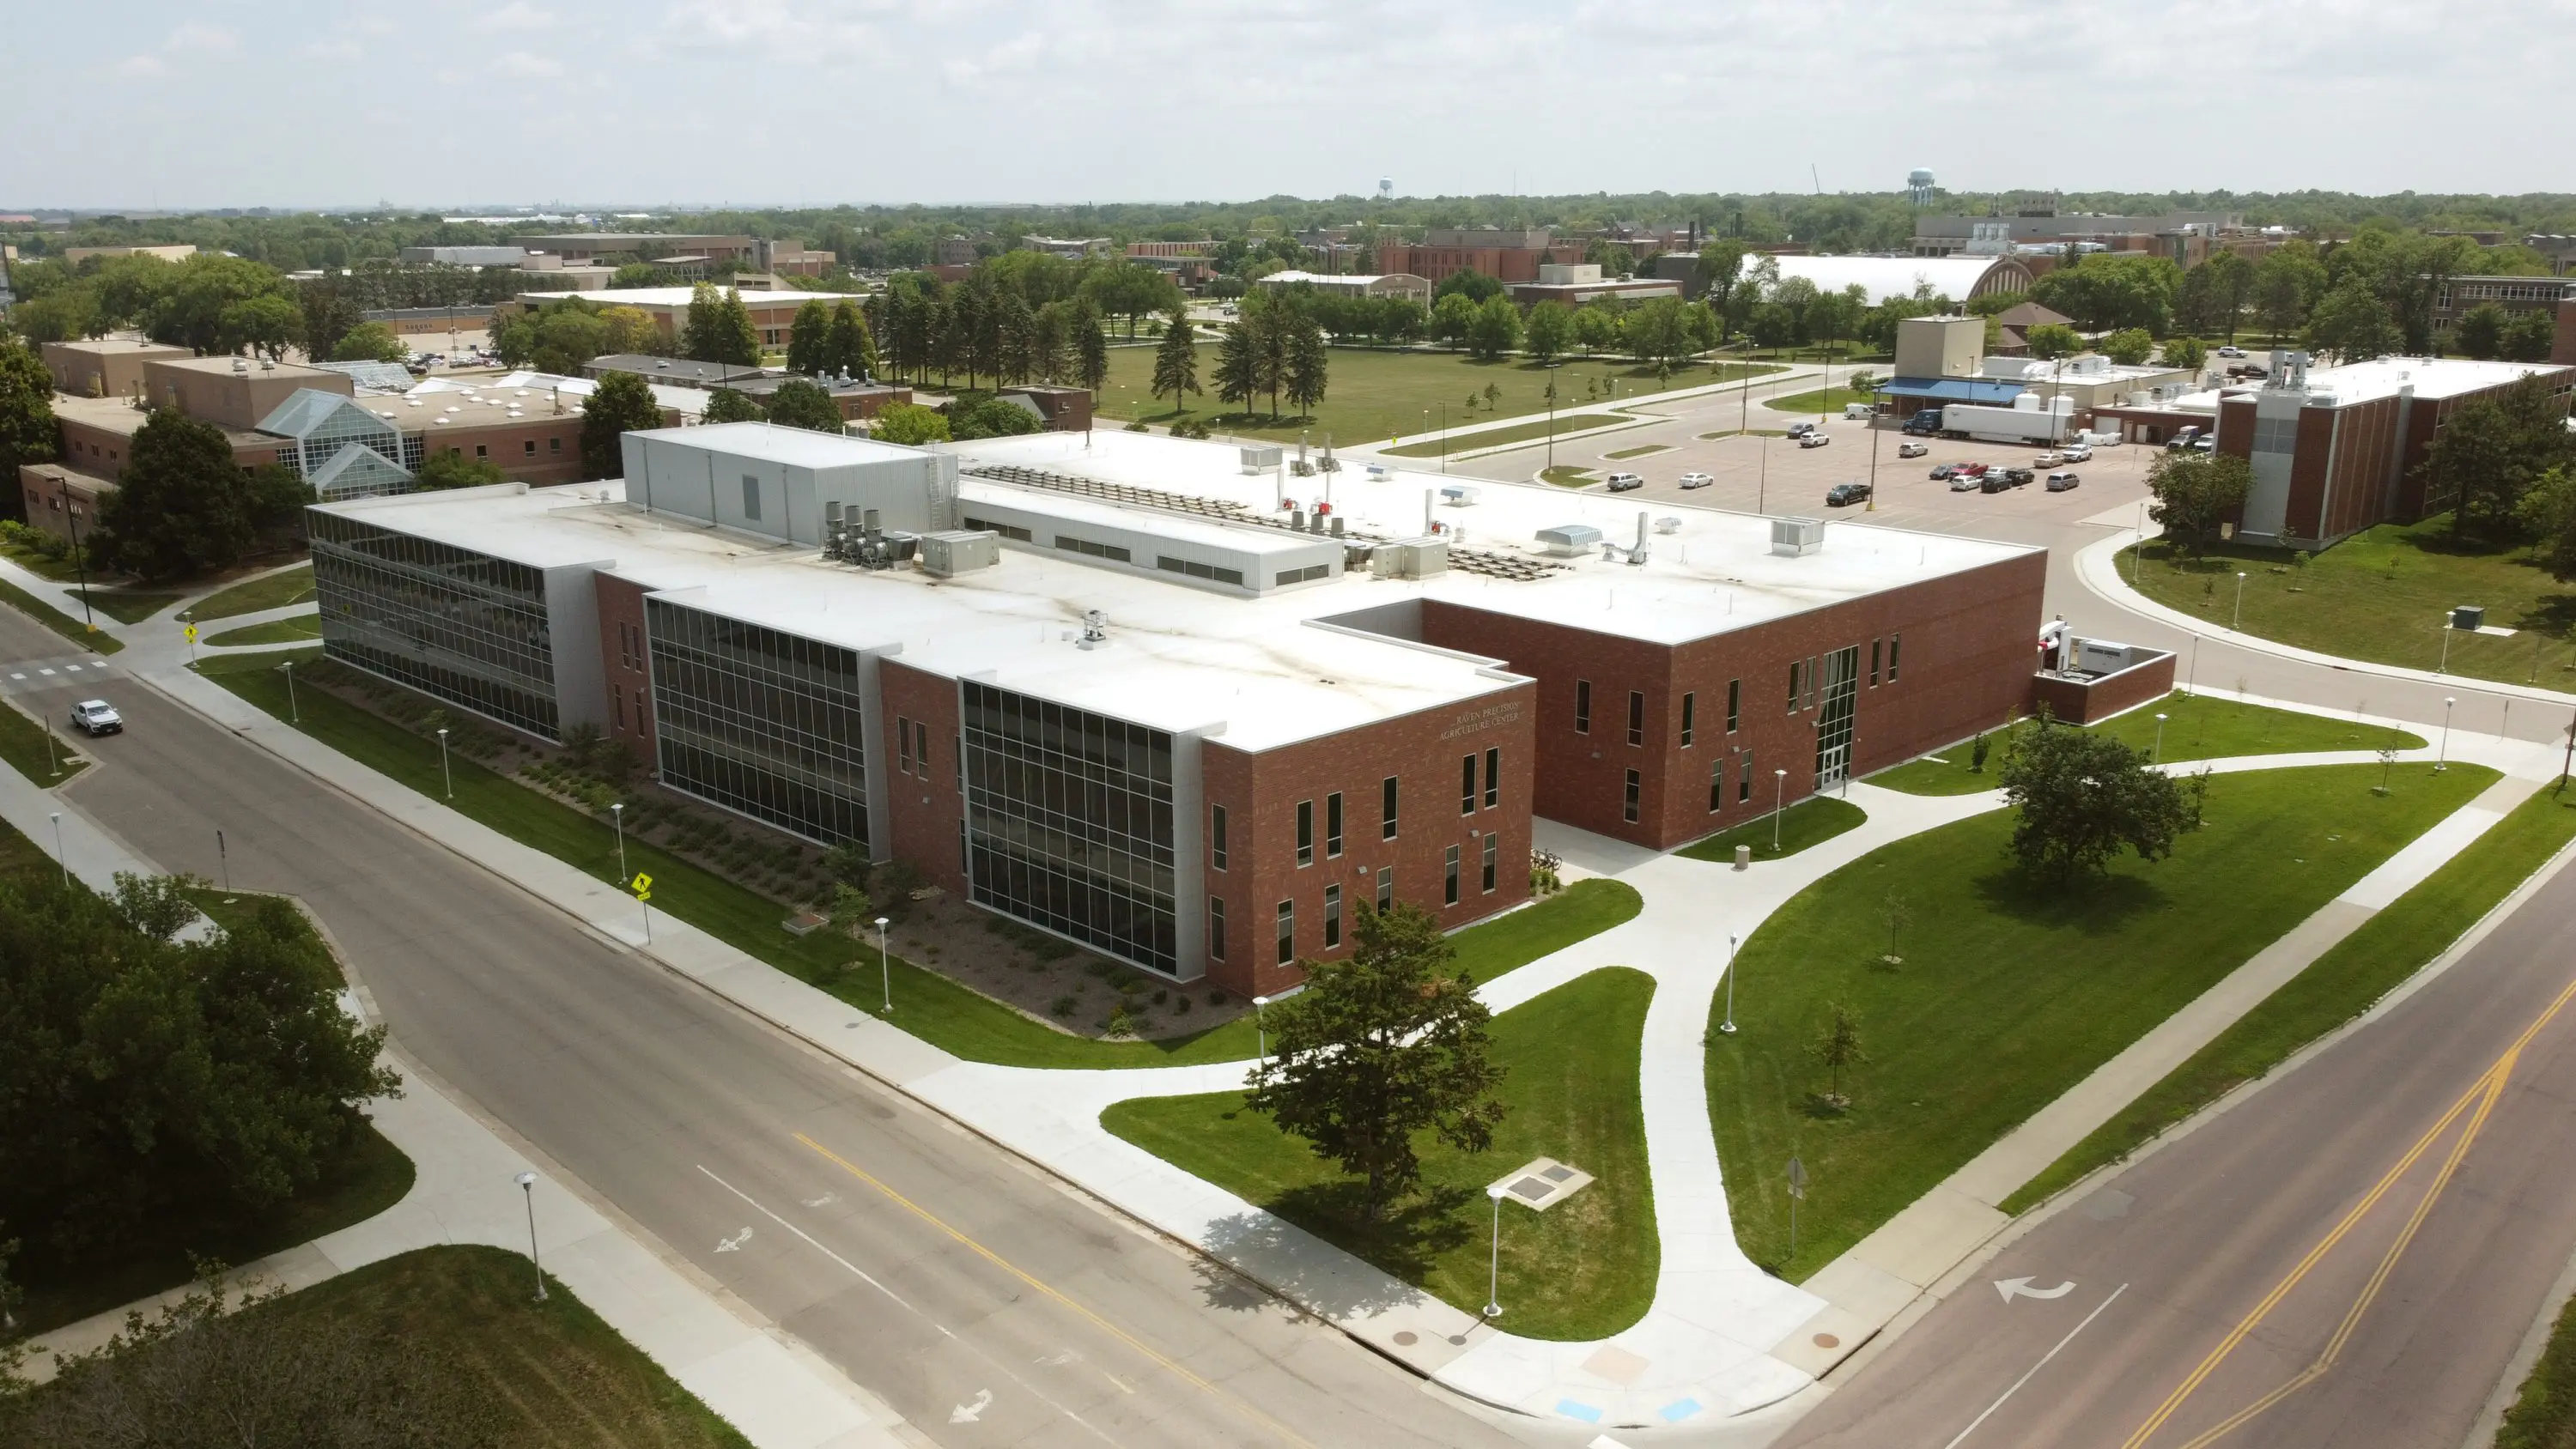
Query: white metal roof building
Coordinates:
[1957,278]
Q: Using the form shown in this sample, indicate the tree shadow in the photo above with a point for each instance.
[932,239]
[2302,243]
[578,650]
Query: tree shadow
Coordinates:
[2095,905]
[2551,614]
[1271,1248]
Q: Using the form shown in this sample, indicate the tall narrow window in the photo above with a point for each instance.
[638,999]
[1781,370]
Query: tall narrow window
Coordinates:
[1811,682]
[1216,836]
[1583,706]
[1894,641]
[1333,825]
[1796,682]
[1493,778]
[903,744]
[1716,784]
[1744,781]
[1450,892]
[1734,704]
[1628,799]
[1873,663]
[921,746]
[1467,784]
[1287,932]
[750,497]
[1385,887]
[1386,829]
[1305,832]
[1216,928]
[1690,707]
[1493,858]
[1636,717]
[1332,916]
[619,690]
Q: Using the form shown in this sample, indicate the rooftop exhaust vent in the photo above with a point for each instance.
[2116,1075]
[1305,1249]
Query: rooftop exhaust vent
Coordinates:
[1569,540]
[1797,537]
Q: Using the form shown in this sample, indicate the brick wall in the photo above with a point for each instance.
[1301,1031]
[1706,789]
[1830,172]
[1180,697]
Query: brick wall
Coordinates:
[924,807]
[625,665]
[2079,701]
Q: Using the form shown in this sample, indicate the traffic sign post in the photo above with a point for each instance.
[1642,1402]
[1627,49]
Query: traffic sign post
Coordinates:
[1797,1194]
[642,885]
[191,631]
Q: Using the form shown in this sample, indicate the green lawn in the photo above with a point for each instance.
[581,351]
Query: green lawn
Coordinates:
[1375,394]
[549,1374]
[97,641]
[927,1004]
[126,607]
[1516,433]
[275,631]
[2543,1412]
[271,591]
[1583,1269]
[60,570]
[1569,477]
[2335,988]
[24,744]
[1823,400]
[2009,991]
[1811,821]
[2196,727]
[1626,453]
[2383,595]
[22,861]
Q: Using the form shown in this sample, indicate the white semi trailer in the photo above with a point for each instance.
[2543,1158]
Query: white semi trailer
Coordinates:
[2030,419]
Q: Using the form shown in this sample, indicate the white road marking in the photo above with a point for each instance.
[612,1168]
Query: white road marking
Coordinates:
[734,1243]
[969,1413]
[824,1201]
[2035,1368]
[854,1268]
[72,668]
[2013,1288]
[44,671]
[17,676]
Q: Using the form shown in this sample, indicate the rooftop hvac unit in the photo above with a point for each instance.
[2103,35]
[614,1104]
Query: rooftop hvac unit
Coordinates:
[1459,495]
[1569,540]
[1797,537]
[953,551]
[1668,524]
[1260,460]
[1412,558]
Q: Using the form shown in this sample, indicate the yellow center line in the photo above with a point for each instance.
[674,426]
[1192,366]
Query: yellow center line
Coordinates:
[1113,1330]
[2479,1101]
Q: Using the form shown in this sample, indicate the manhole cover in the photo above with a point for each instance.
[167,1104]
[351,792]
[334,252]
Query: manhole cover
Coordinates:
[1827,1340]
[1405,1338]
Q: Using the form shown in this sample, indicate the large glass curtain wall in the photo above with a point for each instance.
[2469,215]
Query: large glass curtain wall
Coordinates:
[1069,823]
[466,627]
[759,721]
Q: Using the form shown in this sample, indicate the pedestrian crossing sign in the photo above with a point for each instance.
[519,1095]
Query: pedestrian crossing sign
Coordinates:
[191,632]
[642,886]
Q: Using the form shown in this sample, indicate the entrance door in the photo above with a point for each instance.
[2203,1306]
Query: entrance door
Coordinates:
[1841,689]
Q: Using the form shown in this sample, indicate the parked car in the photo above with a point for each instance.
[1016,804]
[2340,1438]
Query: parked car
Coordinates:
[2182,438]
[1974,470]
[1912,450]
[1947,470]
[2255,369]
[2062,481]
[1963,482]
[1843,495]
[1623,482]
[2079,453]
[1857,412]
[2231,351]
[1994,482]
[1815,440]
[1800,430]
[96,717]
[2204,444]
[2016,477]
[2046,460]
[1696,480]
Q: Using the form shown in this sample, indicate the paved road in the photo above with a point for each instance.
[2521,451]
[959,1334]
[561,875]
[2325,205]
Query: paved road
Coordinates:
[988,1304]
[2341,1162]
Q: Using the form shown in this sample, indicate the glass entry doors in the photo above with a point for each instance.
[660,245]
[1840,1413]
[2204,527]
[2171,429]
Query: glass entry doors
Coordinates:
[1840,691]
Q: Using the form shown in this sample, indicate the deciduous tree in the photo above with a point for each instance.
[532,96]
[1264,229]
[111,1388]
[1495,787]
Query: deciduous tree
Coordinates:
[181,506]
[2490,452]
[727,405]
[447,468]
[2531,336]
[2480,331]
[2351,324]
[2129,347]
[2082,798]
[1496,330]
[622,403]
[369,342]
[2195,493]
[1549,332]
[909,424]
[809,339]
[2188,353]
[27,428]
[801,404]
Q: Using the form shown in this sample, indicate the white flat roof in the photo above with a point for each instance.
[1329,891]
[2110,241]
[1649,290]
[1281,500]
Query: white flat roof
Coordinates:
[680,296]
[778,443]
[2432,377]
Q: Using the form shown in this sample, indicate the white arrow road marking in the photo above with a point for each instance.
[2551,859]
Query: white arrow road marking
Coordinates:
[2035,1368]
[824,1201]
[2013,1288]
[1060,1360]
[734,1243]
[970,1413]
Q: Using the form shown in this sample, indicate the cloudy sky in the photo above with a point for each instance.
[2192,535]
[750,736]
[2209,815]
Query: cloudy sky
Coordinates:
[447,103]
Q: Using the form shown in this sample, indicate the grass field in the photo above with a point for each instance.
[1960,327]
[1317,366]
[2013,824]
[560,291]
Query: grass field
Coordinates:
[1516,433]
[97,641]
[1375,394]
[2543,1412]
[126,607]
[2383,595]
[927,1004]
[271,591]
[1626,453]
[275,631]
[23,744]
[2335,988]
[2009,990]
[1811,821]
[2196,727]
[1569,477]
[1823,400]
[60,570]
[1583,1269]
[552,1374]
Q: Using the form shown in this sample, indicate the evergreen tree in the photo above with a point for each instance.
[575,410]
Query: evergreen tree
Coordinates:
[726,405]
[1051,342]
[1308,363]
[622,404]
[1090,346]
[737,339]
[1238,367]
[181,507]
[1176,362]
[802,404]
[852,348]
[809,340]
[1014,336]
[699,330]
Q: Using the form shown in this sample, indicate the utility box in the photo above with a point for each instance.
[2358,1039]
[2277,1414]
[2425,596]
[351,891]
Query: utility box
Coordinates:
[954,551]
[1260,459]
[2471,617]
[1797,537]
[1412,558]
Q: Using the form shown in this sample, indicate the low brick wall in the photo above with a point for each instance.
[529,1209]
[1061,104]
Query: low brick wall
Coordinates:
[2086,701]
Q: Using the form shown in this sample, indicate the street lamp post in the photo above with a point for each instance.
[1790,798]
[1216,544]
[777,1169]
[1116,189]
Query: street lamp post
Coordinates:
[444,774]
[52,758]
[1728,1026]
[617,817]
[1779,794]
[2158,757]
[294,715]
[60,858]
[71,519]
[2238,620]
[528,1187]
[885,968]
[2441,762]
[1551,415]
[1494,1265]
[1261,1027]
[2447,628]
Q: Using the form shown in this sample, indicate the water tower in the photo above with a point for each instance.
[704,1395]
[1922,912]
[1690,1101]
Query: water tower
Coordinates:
[1918,186]
[1386,188]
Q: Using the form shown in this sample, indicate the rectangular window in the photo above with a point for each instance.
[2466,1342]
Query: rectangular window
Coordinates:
[1894,642]
[1216,928]
[1305,832]
[750,496]
[1385,887]
[554,445]
[1287,932]
[619,690]
[1690,707]
[1493,858]
[1449,893]
[1636,717]
[482,451]
[1716,784]
[1333,825]
[1628,799]
[532,447]
[921,746]
[1216,836]
[1797,682]
[1744,780]
[1109,551]
[1467,784]
[903,744]
[1332,916]
[1386,828]
[1197,570]
[1306,575]
[1493,778]
[1873,663]
[1583,706]
[1734,704]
